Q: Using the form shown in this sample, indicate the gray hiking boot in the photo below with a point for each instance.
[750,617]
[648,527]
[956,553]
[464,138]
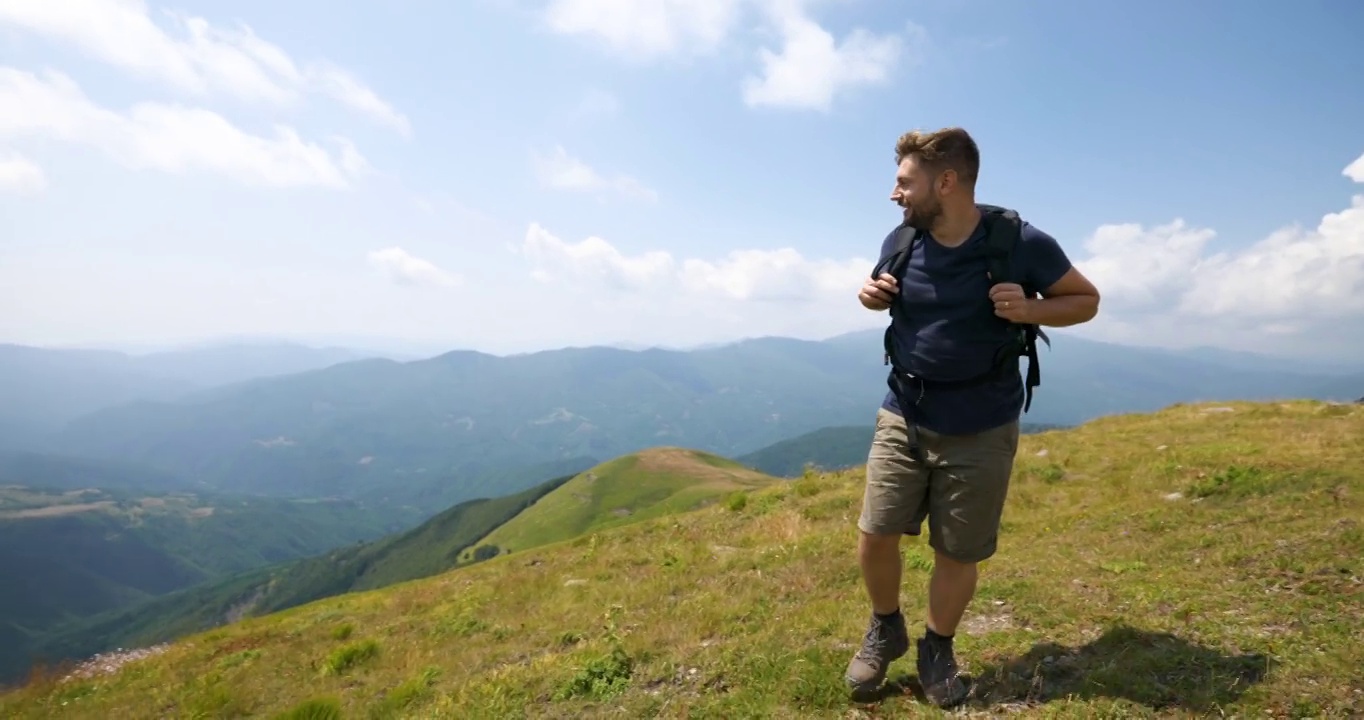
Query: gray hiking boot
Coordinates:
[885,641]
[938,673]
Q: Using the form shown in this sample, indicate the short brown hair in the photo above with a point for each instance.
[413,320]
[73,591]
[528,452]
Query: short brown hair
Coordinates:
[948,148]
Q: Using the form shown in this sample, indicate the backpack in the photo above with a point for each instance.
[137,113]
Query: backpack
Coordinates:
[1003,228]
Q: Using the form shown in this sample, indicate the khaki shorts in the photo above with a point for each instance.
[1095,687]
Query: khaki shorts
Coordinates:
[960,487]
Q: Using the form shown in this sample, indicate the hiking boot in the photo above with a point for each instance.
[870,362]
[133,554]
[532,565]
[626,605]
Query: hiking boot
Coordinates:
[884,642]
[938,673]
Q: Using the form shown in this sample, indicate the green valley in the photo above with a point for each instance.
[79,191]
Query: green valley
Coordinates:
[72,554]
[428,549]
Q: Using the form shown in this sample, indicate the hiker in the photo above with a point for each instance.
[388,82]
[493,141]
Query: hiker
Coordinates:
[947,432]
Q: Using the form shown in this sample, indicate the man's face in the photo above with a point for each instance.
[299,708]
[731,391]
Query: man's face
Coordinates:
[916,193]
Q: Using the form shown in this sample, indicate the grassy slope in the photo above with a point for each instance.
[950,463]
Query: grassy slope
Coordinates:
[628,489]
[1239,597]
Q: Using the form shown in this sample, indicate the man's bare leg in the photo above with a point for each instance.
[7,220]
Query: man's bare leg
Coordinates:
[886,638]
[882,566]
[950,590]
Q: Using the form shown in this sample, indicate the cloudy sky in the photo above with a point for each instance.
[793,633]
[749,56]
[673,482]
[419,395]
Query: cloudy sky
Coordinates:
[511,175]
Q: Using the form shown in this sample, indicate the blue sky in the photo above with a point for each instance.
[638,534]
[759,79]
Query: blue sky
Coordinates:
[511,175]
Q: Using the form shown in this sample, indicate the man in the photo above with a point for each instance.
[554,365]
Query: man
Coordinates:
[949,455]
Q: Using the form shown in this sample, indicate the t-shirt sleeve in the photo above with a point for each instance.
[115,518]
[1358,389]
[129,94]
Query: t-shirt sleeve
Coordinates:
[1046,260]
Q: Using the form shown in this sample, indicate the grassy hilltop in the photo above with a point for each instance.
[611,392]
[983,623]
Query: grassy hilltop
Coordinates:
[1203,560]
[629,489]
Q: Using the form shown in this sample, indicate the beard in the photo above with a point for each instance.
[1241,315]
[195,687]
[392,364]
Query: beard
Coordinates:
[923,214]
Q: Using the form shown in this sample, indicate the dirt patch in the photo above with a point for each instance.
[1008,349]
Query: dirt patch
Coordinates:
[149,502]
[993,619]
[57,510]
[107,663]
[201,512]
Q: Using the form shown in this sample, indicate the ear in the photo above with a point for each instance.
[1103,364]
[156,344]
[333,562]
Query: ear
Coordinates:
[947,181]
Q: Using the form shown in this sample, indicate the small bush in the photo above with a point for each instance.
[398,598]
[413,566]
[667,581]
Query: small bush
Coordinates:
[602,677]
[346,657]
[315,709]
[1234,482]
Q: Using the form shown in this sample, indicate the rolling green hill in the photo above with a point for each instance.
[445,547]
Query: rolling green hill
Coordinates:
[428,549]
[830,448]
[649,484]
[1206,560]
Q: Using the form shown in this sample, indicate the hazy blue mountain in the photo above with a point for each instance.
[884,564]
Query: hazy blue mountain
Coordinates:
[1346,389]
[42,388]
[222,364]
[377,425]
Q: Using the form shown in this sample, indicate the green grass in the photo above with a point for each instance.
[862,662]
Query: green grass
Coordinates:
[1134,583]
[628,489]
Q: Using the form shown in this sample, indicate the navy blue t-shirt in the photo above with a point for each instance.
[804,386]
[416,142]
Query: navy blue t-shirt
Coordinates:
[946,328]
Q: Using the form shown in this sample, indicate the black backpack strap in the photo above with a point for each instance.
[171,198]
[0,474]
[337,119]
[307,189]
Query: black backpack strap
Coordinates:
[894,261]
[1005,229]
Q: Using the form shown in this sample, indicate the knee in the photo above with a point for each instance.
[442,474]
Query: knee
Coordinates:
[955,564]
[875,544]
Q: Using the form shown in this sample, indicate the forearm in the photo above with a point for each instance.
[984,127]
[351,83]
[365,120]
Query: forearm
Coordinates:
[1063,310]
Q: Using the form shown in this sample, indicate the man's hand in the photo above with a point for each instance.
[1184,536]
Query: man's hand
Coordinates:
[1010,302]
[878,294]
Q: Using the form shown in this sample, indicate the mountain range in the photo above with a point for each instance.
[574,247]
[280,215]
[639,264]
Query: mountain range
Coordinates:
[430,433]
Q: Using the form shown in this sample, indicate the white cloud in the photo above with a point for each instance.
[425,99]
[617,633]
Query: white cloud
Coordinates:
[741,275]
[1355,170]
[20,175]
[656,297]
[812,68]
[1163,284]
[561,171]
[594,261]
[403,268]
[205,59]
[169,138]
[809,71]
[646,28]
